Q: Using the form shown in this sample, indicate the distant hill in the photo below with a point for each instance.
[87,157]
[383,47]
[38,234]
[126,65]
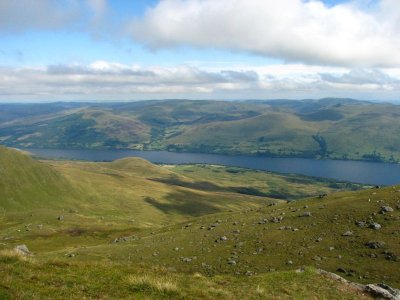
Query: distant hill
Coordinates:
[326,128]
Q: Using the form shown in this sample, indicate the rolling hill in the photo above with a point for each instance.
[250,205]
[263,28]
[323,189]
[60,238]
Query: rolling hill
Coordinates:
[133,229]
[27,184]
[325,128]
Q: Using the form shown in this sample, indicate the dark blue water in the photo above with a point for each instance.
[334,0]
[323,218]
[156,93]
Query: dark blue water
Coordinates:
[355,171]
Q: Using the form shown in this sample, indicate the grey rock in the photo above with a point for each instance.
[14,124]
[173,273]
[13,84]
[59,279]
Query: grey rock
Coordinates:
[361,223]
[23,250]
[385,209]
[348,233]
[381,292]
[391,256]
[306,214]
[221,239]
[375,226]
[232,262]
[375,244]
[186,259]
[277,219]
[60,218]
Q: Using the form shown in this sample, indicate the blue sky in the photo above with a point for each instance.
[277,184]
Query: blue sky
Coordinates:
[200,49]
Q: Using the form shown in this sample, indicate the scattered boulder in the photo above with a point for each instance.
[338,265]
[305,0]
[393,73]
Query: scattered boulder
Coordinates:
[375,226]
[277,219]
[391,256]
[221,239]
[382,291]
[386,209]
[125,239]
[306,214]
[23,250]
[361,223]
[377,291]
[375,244]
[60,218]
[348,233]
[186,259]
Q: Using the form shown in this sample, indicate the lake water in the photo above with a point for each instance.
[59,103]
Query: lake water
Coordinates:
[355,171]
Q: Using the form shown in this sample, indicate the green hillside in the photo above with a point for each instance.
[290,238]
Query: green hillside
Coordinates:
[29,184]
[105,199]
[334,233]
[325,128]
[131,229]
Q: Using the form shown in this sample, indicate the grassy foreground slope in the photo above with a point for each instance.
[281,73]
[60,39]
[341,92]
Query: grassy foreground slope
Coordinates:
[30,278]
[136,230]
[338,233]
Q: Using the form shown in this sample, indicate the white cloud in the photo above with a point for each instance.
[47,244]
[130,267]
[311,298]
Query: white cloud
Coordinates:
[104,80]
[24,15]
[347,34]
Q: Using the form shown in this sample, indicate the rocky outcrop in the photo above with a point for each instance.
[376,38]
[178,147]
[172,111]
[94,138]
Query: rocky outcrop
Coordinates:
[377,291]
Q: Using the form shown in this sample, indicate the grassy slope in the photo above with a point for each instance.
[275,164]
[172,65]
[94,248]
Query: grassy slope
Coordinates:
[98,201]
[129,195]
[27,184]
[261,248]
[111,194]
[288,187]
[65,279]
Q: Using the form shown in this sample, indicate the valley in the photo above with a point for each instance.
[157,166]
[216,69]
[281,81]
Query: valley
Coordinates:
[200,150]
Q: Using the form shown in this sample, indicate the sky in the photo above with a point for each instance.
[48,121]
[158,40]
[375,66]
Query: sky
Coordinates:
[121,50]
